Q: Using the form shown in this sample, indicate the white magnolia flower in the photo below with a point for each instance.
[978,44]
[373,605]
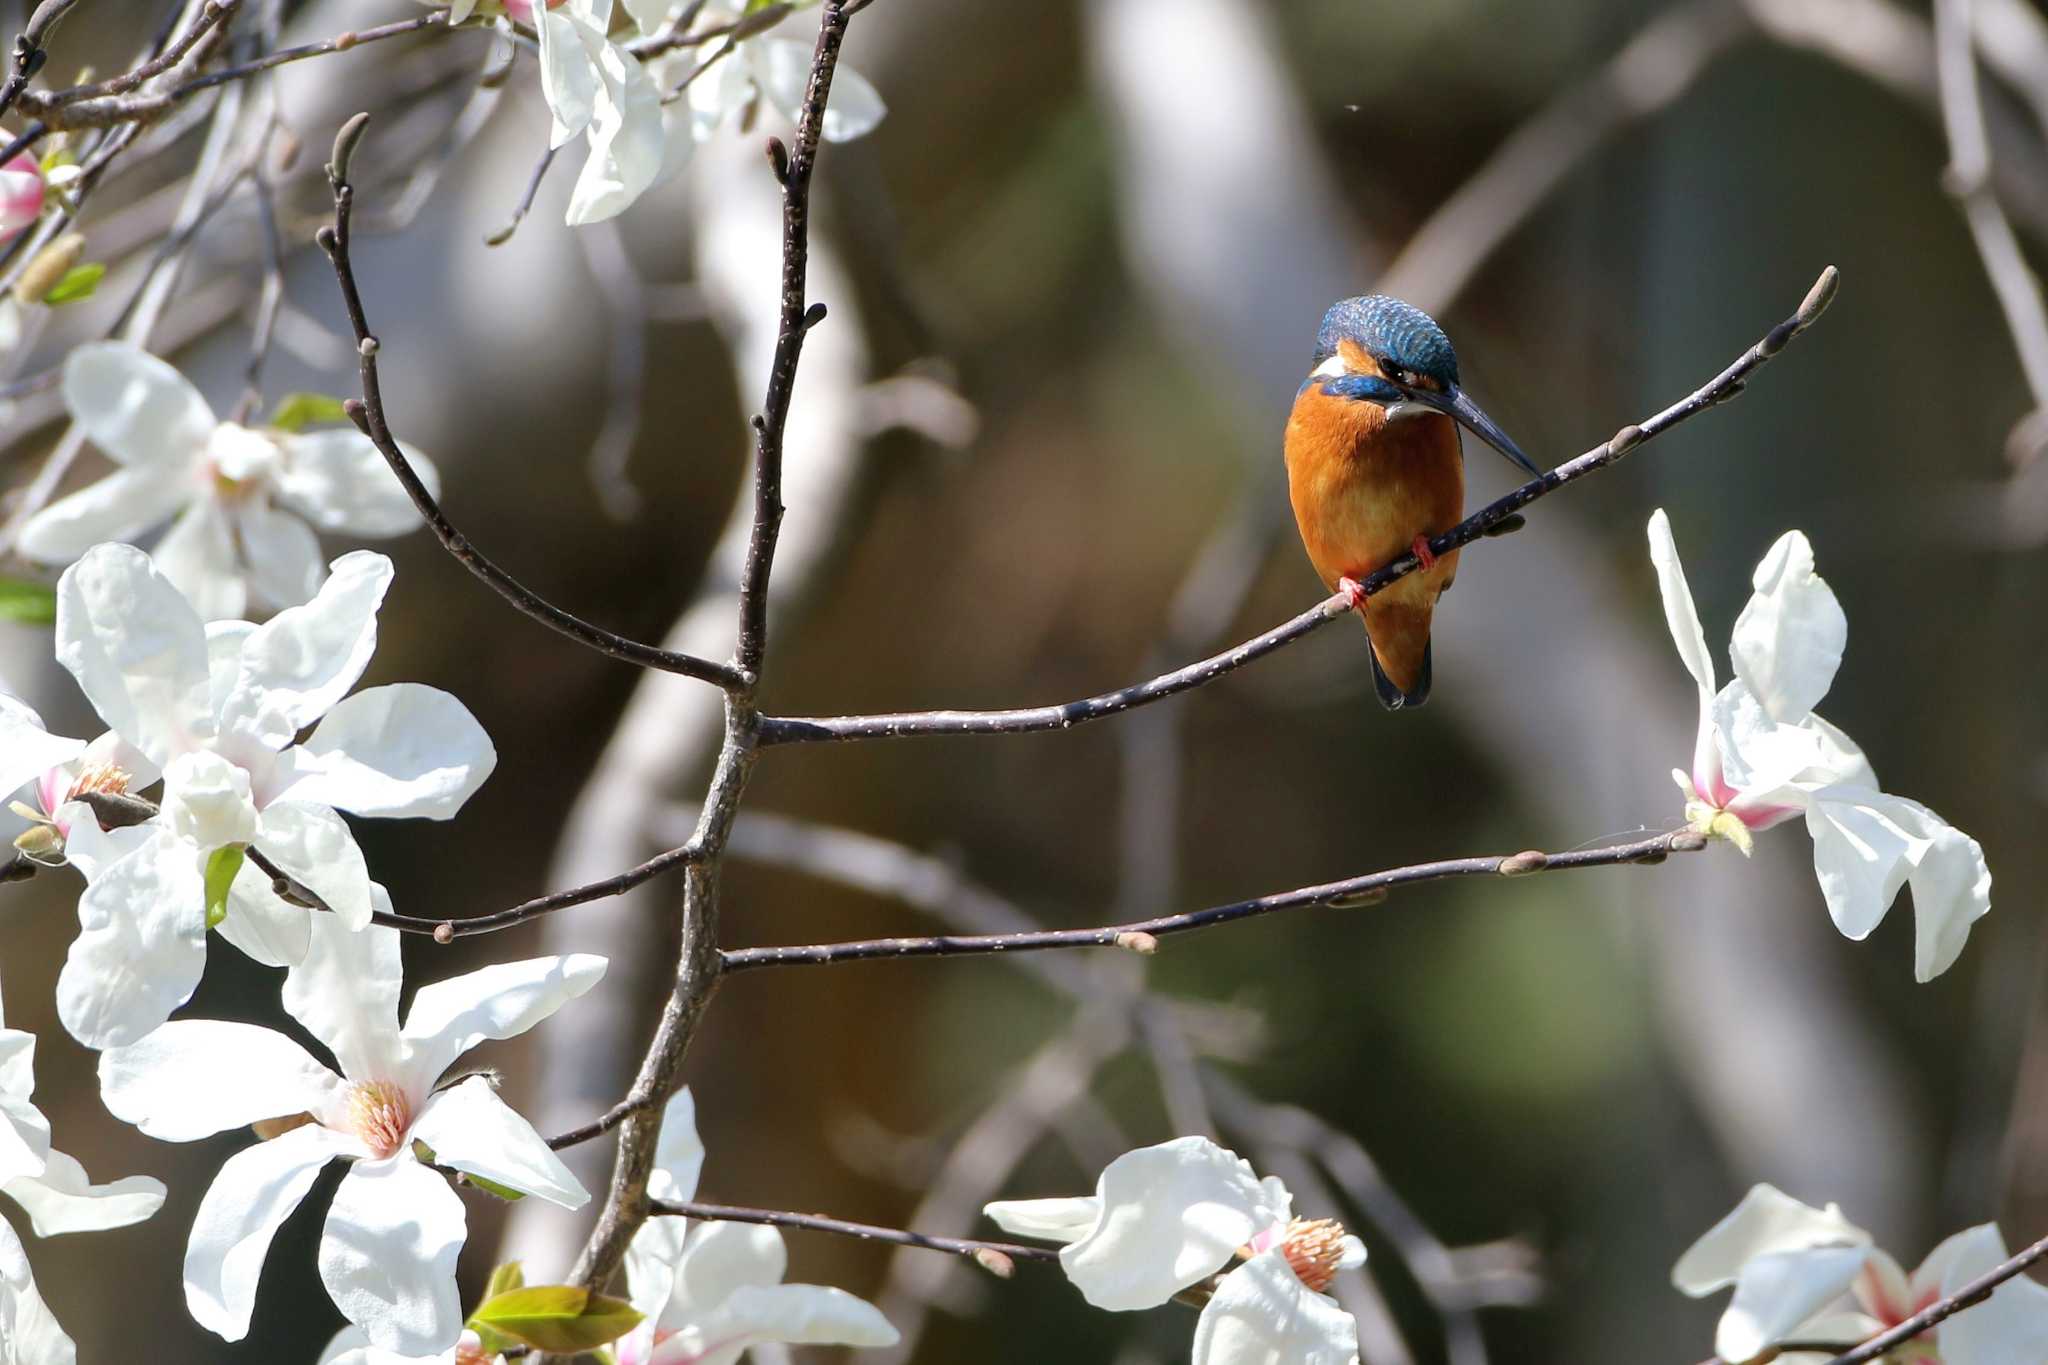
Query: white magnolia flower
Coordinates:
[1762,756]
[1809,1275]
[711,1292]
[1165,1218]
[218,708]
[388,1251]
[351,1347]
[59,1198]
[243,497]
[763,67]
[594,86]
[21,195]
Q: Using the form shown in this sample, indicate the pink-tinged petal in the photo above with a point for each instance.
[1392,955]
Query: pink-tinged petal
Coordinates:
[450,1017]
[297,665]
[121,506]
[27,750]
[255,1191]
[193,1078]
[345,993]
[137,649]
[1788,642]
[1881,1287]
[338,481]
[21,195]
[1767,1220]
[473,1130]
[314,845]
[64,1199]
[141,945]
[135,407]
[1171,1215]
[27,1326]
[280,552]
[198,556]
[1262,1314]
[2009,1327]
[395,751]
[387,1255]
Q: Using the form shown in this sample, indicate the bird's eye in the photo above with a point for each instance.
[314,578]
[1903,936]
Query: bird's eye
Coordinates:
[1407,379]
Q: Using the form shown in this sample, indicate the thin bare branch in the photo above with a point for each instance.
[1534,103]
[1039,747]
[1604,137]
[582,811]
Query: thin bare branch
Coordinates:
[984,1252]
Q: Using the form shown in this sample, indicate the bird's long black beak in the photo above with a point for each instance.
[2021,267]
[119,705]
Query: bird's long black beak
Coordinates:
[1460,408]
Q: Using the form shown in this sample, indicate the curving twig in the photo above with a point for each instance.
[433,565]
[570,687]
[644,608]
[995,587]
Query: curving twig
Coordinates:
[1141,935]
[993,1256]
[1488,520]
[367,413]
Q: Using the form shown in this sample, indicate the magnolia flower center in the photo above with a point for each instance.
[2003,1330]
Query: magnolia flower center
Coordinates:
[239,458]
[106,779]
[380,1115]
[1716,823]
[1313,1248]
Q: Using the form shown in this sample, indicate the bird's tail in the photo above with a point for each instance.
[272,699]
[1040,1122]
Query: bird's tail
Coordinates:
[1399,636]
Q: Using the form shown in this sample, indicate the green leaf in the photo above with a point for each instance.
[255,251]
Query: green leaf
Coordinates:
[556,1317]
[30,603]
[505,1278]
[504,1192]
[77,283]
[296,410]
[220,875]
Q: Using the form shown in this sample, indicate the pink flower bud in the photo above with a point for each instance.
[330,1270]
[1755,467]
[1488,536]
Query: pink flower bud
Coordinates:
[21,195]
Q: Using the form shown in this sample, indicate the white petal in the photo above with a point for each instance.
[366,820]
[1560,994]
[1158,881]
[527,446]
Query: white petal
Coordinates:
[1779,1292]
[1789,639]
[719,1260]
[24,1132]
[1170,1216]
[63,1199]
[91,849]
[135,407]
[1951,886]
[1052,1220]
[405,749]
[137,649]
[28,1331]
[2009,1327]
[27,750]
[800,1314]
[650,15]
[1262,1314]
[387,1255]
[281,553]
[1860,855]
[119,507]
[473,1130]
[1766,1220]
[627,140]
[303,660]
[651,1259]
[207,802]
[256,1190]
[1679,614]
[261,925]
[679,1155]
[141,945]
[197,556]
[345,992]
[568,74]
[193,1078]
[783,68]
[1840,755]
[314,844]
[450,1017]
[339,482]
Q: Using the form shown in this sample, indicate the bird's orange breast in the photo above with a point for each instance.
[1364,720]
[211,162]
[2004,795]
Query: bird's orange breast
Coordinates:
[1363,488]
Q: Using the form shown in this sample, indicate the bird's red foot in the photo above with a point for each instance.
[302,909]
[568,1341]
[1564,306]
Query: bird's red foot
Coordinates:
[1420,545]
[1353,590]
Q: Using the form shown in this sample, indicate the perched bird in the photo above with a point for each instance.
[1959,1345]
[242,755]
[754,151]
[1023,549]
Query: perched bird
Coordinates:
[1374,469]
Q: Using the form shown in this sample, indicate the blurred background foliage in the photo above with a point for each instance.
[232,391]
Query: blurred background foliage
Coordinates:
[1594,1066]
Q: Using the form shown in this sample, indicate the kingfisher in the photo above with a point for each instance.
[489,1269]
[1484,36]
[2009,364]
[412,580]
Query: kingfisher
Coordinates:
[1375,468]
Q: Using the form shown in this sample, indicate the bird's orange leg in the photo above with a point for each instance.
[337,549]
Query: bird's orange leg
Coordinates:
[1420,545]
[1354,592]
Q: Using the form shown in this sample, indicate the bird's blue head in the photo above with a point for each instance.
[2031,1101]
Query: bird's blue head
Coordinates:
[1380,350]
